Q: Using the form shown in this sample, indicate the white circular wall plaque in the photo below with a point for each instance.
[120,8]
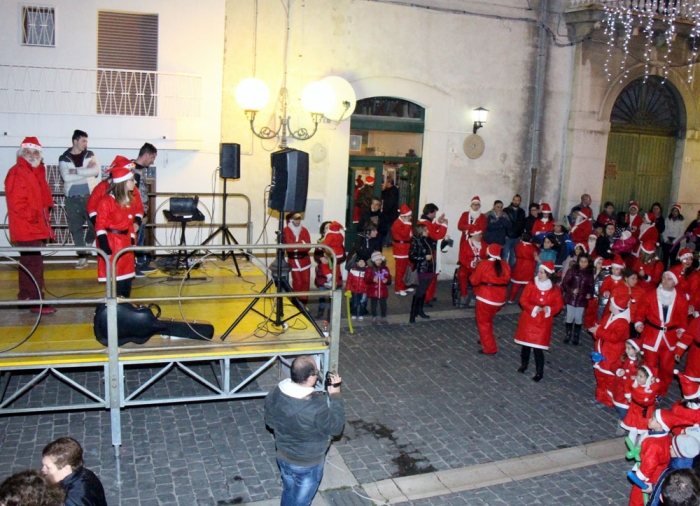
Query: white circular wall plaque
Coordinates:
[474,146]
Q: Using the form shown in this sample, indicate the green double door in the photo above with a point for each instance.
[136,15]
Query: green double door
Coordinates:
[405,172]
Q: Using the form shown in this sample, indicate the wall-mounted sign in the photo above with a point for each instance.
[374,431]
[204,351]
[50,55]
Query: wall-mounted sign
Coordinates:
[610,171]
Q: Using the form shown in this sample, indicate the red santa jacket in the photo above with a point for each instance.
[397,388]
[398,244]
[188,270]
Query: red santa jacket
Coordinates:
[688,411]
[467,224]
[28,202]
[649,274]
[489,287]
[651,233]
[401,233]
[655,457]
[117,222]
[610,284]
[436,231]
[336,242]
[97,193]
[694,290]
[643,399]
[356,280]
[579,232]
[298,258]
[690,340]
[610,338]
[683,285]
[624,378]
[535,330]
[540,227]
[658,329]
[525,263]
[376,281]
[470,253]
[635,224]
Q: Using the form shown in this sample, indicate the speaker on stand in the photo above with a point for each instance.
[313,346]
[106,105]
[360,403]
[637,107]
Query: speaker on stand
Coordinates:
[229,168]
[290,184]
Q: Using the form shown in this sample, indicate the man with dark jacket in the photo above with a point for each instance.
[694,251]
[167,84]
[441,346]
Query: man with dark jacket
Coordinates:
[303,420]
[516,215]
[62,463]
[390,205]
[497,225]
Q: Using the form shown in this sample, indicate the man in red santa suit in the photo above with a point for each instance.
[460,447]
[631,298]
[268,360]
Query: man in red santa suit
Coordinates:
[298,258]
[490,280]
[471,253]
[473,219]
[661,319]
[401,233]
[437,231]
[633,220]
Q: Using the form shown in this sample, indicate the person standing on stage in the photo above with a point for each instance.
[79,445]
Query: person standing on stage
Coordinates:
[29,203]
[490,280]
[401,233]
[79,168]
[437,230]
[298,258]
[147,156]
[303,420]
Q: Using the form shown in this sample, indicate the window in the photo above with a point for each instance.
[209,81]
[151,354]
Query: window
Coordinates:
[127,43]
[38,26]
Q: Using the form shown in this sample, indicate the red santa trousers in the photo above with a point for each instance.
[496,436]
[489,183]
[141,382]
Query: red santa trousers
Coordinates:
[463,278]
[636,496]
[485,314]
[430,292]
[604,382]
[590,318]
[401,266]
[301,281]
[34,265]
[664,361]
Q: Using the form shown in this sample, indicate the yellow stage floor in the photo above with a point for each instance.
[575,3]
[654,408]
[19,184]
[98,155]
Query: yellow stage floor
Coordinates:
[71,328]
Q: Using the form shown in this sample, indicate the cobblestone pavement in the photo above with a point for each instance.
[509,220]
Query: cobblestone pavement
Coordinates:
[418,398]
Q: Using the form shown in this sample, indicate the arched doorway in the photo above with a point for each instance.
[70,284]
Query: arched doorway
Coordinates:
[647,120]
[386,143]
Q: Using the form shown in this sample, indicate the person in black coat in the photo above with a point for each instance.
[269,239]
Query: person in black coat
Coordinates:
[390,205]
[532,217]
[603,245]
[366,243]
[422,256]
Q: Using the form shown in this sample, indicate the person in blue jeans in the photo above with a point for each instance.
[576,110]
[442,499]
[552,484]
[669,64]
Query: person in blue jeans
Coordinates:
[304,420]
[147,156]
[516,215]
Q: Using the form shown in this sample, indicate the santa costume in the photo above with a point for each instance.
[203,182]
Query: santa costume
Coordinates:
[401,233]
[688,409]
[471,253]
[648,230]
[436,232]
[642,401]
[544,225]
[682,271]
[471,220]
[655,456]
[335,239]
[633,220]
[490,289]
[298,258]
[690,341]
[625,368]
[649,272]
[524,269]
[582,227]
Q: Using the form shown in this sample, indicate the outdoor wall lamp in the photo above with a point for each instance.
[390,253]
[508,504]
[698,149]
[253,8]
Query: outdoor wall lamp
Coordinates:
[479,116]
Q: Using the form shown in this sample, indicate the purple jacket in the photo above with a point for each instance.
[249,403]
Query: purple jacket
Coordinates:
[575,278]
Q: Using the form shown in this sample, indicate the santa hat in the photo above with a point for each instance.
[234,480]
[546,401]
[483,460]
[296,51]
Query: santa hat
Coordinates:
[664,418]
[689,388]
[548,267]
[494,251]
[476,199]
[618,262]
[685,253]
[634,204]
[592,236]
[586,211]
[685,446]
[648,246]
[377,255]
[607,263]
[335,227]
[626,234]
[673,275]
[31,143]
[404,210]
[293,216]
[676,206]
[634,344]
[651,372]
[369,180]
[123,162]
[620,301]
[544,207]
[650,217]
[121,174]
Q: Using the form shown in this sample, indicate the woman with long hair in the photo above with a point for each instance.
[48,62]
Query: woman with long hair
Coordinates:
[490,280]
[675,228]
[422,256]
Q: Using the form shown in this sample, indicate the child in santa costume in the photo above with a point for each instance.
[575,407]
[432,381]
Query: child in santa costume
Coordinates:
[582,227]
[377,279]
[541,302]
[335,239]
[544,225]
[602,270]
[688,408]
[525,265]
[490,280]
[401,233]
[647,266]
[633,220]
[684,448]
[625,368]
[610,284]
[610,337]
[642,399]
[324,273]
[298,258]
[690,341]
[655,456]
[648,230]
[471,252]
[119,214]
[577,287]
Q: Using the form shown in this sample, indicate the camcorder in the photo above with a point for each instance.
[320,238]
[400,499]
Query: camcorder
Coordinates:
[329,381]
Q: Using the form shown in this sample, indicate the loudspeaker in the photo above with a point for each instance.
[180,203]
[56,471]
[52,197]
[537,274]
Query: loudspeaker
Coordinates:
[230,161]
[290,181]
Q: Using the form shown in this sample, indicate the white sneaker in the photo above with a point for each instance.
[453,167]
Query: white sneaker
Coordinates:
[409,289]
[360,317]
[401,293]
[353,317]
[82,263]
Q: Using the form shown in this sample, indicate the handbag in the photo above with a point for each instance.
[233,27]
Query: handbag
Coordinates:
[410,277]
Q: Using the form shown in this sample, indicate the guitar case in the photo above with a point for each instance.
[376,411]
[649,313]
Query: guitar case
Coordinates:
[137,324]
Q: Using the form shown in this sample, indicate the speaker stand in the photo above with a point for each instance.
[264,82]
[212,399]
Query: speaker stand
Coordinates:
[281,283]
[227,238]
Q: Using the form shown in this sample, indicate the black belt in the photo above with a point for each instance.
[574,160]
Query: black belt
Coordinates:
[696,344]
[401,242]
[493,284]
[664,329]
[115,231]
[644,408]
[297,255]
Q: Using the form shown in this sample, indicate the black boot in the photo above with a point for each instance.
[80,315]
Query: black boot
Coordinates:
[569,330]
[577,333]
[412,315]
[524,359]
[539,366]
[419,308]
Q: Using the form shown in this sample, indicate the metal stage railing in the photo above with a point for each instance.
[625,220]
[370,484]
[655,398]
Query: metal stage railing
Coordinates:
[119,361]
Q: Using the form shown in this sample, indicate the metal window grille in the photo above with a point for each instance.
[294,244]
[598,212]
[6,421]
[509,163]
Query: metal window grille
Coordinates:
[38,26]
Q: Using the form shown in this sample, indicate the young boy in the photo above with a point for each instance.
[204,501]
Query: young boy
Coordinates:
[655,457]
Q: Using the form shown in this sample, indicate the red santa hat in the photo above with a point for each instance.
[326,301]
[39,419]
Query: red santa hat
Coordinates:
[494,251]
[620,301]
[651,372]
[123,162]
[626,234]
[586,211]
[664,418]
[676,206]
[689,388]
[685,446]
[121,174]
[618,262]
[369,180]
[634,204]
[607,263]
[593,236]
[685,253]
[650,217]
[475,199]
[544,207]
[548,267]
[335,227]
[648,246]
[673,275]
[404,210]
[634,344]
[31,143]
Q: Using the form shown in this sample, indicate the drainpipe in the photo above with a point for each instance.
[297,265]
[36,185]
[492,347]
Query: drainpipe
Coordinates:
[539,102]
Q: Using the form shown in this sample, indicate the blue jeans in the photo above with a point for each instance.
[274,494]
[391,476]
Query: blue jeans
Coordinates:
[509,251]
[141,256]
[299,484]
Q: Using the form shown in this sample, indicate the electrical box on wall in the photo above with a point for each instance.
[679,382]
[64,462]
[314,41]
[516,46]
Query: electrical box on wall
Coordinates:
[313,216]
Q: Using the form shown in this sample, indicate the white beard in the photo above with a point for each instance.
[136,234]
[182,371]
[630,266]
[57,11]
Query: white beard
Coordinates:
[35,163]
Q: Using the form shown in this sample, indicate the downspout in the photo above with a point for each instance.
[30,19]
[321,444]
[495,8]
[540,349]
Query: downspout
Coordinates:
[539,102]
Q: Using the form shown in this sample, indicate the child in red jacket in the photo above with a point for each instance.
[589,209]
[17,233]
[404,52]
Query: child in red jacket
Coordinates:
[643,400]
[356,285]
[655,456]
[625,370]
[377,279]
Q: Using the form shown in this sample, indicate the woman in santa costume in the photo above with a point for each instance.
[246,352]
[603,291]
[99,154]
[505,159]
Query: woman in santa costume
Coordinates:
[541,301]
[683,271]
[490,280]
[119,215]
[647,266]
[472,220]
[401,233]
[690,342]
[544,225]
[525,264]
[648,230]
[471,253]
[582,227]
[610,337]
[298,258]
[437,231]
[336,241]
